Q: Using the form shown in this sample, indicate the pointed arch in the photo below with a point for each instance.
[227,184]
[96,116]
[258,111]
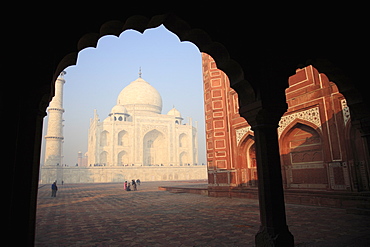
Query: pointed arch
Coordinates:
[123,139]
[123,158]
[184,158]
[302,156]
[104,138]
[247,161]
[245,138]
[103,158]
[296,121]
[183,140]
[155,148]
[292,132]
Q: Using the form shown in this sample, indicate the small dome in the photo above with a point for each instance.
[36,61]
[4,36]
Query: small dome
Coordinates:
[139,95]
[118,109]
[174,112]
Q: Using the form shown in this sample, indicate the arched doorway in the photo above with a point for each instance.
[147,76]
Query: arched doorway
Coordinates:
[247,164]
[302,158]
[155,148]
[183,140]
[123,158]
[123,139]
[252,166]
[104,138]
[184,158]
[104,158]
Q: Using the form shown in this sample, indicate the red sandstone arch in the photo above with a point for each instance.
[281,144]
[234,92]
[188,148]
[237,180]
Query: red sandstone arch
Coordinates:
[246,162]
[245,143]
[302,158]
[294,123]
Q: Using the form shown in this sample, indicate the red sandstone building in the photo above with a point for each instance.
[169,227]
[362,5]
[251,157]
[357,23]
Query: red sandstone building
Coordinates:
[319,148]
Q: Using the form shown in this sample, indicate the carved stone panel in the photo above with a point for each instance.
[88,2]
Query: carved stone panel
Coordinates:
[310,115]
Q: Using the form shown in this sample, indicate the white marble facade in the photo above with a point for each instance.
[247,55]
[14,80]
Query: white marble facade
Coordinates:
[136,133]
[134,141]
[119,174]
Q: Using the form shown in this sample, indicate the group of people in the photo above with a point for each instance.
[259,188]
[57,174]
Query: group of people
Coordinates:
[134,184]
[126,186]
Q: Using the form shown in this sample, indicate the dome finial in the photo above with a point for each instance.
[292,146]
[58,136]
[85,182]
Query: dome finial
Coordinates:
[140,72]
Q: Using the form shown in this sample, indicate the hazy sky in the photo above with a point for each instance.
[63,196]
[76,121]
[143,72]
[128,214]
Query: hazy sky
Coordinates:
[172,67]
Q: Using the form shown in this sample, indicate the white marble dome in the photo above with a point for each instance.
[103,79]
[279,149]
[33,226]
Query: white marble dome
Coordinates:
[118,109]
[140,96]
[174,112]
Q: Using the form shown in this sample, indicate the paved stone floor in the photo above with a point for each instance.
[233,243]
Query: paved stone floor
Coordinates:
[105,215]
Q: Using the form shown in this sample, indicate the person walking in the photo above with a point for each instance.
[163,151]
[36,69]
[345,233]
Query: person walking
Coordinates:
[133,184]
[125,185]
[54,189]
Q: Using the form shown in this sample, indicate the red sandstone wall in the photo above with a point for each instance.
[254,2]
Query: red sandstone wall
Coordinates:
[222,116]
[216,111]
[315,135]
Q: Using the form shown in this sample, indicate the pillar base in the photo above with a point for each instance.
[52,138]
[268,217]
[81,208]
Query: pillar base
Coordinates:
[270,237]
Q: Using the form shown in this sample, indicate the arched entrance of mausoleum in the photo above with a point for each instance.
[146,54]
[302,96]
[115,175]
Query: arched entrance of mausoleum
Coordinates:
[155,148]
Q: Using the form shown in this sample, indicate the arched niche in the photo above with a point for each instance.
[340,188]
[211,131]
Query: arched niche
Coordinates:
[155,148]
[302,157]
[247,164]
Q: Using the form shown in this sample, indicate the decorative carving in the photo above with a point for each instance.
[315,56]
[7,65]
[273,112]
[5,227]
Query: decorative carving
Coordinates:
[149,127]
[345,111]
[310,115]
[338,176]
[241,132]
[157,121]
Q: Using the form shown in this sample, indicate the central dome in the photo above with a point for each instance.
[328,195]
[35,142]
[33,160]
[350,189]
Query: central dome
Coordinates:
[140,96]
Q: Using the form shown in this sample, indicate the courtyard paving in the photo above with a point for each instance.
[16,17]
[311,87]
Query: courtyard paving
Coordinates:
[105,215]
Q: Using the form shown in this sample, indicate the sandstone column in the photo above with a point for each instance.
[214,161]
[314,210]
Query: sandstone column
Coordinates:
[264,121]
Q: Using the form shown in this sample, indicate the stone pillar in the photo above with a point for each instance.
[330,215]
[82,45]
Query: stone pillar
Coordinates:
[363,125]
[23,171]
[273,230]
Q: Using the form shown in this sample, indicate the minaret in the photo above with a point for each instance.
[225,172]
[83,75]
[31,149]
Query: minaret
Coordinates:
[54,137]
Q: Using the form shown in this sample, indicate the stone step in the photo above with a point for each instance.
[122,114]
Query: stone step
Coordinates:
[177,191]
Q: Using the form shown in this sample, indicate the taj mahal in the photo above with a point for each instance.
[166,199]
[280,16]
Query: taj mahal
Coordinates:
[136,133]
[134,141]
